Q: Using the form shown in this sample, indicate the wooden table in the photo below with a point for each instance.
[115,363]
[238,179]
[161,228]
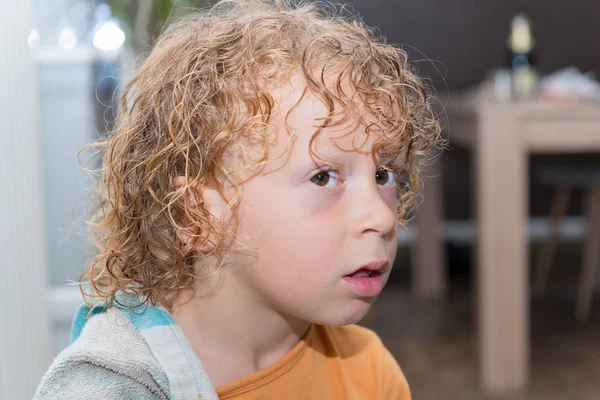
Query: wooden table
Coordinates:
[501,134]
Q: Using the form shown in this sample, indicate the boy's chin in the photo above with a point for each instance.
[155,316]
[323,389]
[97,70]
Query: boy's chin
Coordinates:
[351,315]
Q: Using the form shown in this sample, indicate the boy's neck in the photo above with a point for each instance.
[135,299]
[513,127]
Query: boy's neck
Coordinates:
[232,332]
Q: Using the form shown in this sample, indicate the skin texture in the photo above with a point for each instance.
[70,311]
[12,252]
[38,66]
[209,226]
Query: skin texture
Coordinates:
[302,229]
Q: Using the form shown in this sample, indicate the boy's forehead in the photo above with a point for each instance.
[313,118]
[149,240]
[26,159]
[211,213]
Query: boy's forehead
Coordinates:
[347,136]
[300,112]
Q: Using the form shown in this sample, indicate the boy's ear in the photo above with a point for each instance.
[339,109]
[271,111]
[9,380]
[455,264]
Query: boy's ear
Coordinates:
[205,196]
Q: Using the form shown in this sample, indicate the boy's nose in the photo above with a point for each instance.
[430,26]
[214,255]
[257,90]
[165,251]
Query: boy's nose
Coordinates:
[373,215]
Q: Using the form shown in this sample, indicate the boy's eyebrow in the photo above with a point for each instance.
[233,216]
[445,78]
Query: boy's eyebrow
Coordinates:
[323,152]
[397,162]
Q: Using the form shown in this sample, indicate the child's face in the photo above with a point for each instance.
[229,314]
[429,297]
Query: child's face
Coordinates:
[314,228]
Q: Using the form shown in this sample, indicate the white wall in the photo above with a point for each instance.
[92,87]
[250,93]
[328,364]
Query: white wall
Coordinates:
[67,124]
[67,97]
[24,321]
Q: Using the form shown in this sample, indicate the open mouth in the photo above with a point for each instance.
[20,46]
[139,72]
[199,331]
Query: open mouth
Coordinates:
[363,273]
[365,282]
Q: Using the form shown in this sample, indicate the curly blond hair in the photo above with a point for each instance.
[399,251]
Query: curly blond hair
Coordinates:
[207,86]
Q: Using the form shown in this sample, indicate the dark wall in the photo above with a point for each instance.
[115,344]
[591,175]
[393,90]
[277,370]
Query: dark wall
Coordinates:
[456,43]
[467,38]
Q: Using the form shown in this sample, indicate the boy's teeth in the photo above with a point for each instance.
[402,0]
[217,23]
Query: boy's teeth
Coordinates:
[362,274]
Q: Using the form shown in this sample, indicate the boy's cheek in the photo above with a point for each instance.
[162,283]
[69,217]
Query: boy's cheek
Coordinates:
[389,196]
[393,252]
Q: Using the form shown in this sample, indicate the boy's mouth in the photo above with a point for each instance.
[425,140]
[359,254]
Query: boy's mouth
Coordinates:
[368,280]
[370,270]
[363,273]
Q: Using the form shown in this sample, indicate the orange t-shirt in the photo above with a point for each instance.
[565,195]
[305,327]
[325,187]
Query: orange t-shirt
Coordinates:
[346,362]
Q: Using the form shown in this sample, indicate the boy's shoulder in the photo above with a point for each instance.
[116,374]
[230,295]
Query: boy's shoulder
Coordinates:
[85,380]
[109,349]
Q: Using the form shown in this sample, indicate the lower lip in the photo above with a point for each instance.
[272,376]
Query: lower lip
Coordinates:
[365,286]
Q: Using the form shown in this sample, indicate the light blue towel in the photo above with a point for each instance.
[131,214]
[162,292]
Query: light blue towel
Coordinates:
[129,351]
[170,347]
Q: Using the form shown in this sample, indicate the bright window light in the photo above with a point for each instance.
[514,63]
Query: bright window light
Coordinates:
[108,37]
[67,38]
[33,40]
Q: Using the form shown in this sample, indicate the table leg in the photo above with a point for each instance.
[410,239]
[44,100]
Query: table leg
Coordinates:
[428,255]
[501,169]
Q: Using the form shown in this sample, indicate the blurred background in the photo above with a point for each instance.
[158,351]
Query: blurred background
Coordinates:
[492,294]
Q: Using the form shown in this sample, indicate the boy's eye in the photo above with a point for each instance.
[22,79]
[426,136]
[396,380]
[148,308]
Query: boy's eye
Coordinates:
[325,178]
[385,177]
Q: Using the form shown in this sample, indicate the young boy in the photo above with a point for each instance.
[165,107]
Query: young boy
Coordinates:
[249,203]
